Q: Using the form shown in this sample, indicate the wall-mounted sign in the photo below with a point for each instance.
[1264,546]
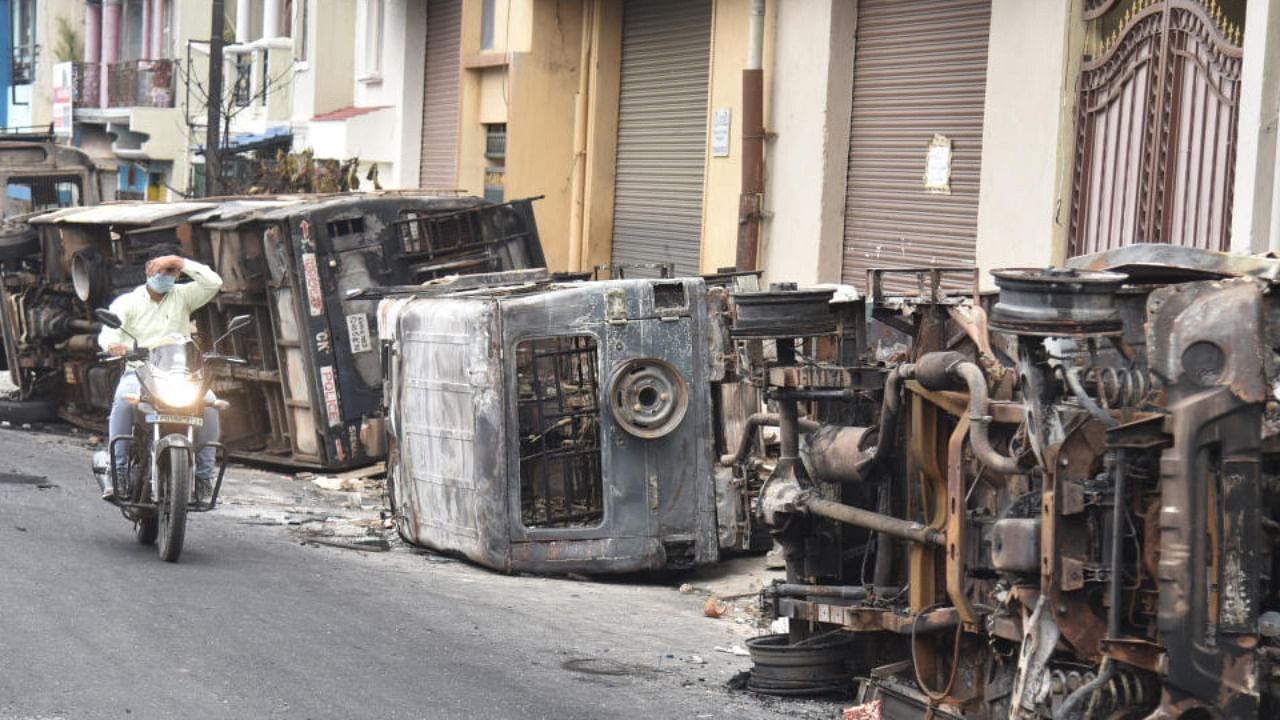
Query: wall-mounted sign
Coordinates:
[63,80]
[937,168]
[720,132]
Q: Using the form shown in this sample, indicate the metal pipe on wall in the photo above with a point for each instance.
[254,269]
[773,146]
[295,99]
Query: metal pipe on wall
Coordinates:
[147,16]
[578,188]
[751,200]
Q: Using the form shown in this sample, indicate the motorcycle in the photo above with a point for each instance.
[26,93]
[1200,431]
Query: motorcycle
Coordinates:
[156,490]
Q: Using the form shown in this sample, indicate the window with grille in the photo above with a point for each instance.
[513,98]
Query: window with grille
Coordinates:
[29,194]
[559,424]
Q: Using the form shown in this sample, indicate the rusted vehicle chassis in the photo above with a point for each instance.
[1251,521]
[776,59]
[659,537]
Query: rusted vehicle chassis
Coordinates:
[1061,502]
[311,393]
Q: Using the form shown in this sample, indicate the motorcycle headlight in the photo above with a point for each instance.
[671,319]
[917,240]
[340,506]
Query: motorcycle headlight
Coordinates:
[176,391]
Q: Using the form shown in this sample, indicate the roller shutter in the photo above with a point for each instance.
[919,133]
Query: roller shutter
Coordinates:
[662,132]
[920,69]
[439,167]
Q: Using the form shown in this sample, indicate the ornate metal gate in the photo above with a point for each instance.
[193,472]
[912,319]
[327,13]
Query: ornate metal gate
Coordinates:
[1156,124]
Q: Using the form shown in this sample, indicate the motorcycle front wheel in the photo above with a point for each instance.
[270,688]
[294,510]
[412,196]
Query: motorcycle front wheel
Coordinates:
[175,490]
[146,530]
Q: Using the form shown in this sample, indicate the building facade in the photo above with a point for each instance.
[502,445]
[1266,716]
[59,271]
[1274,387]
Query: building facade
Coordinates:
[952,133]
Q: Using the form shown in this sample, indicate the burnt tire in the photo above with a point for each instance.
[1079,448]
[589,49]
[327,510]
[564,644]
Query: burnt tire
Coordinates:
[16,412]
[14,245]
[172,510]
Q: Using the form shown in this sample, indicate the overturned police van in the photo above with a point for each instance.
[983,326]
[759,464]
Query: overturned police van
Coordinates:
[311,393]
[553,427]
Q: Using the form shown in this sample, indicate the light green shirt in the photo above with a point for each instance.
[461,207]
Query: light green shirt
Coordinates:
[150,321]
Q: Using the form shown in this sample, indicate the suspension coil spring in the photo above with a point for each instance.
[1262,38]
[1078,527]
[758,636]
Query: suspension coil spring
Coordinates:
[1113,387]
[1125,690]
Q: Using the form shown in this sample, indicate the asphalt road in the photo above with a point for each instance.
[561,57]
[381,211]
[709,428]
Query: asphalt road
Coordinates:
[253,623]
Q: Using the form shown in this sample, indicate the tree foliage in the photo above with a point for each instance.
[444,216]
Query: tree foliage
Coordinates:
[67,47]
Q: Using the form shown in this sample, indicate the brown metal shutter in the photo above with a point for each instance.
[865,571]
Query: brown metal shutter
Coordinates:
[920,68]
[439,168]
[662,132]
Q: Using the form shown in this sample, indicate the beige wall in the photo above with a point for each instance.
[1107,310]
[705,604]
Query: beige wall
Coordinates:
[722,184]
[471,140]
[331,47]
[602,135]
[1027,134]
[540,129]
[47,37]
[529,80]
[807,162]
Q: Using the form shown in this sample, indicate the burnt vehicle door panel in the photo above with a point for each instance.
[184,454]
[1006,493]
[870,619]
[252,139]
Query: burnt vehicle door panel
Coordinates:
[445,406]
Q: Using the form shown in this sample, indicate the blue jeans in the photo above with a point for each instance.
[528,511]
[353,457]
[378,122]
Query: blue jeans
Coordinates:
[121,423]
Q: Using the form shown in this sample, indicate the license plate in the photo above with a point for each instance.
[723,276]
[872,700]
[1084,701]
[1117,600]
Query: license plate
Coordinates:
[176,420]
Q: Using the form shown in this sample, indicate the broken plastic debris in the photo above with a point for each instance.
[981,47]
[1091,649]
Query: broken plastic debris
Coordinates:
[714,608]
[735,650]
[335,484]
[865,711]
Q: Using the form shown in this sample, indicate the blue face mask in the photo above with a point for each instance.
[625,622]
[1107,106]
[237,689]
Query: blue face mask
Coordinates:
[161,283]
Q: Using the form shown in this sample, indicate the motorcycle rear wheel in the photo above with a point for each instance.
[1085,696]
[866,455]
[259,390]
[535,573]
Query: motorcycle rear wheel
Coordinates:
[175,491]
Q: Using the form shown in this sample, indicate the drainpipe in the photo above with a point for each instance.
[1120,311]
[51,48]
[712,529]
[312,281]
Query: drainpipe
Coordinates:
[578,186]
[751,201]
[93,33]
[146,29]
[157,29]
[110,47]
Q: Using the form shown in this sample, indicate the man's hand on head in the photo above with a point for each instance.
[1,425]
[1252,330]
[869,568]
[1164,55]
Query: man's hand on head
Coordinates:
[167,265]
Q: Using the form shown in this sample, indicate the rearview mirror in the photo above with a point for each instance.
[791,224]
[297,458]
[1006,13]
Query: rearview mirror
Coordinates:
[108,318]
[239,323]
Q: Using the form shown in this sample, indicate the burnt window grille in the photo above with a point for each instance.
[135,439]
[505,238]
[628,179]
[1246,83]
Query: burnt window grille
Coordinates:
[435,244]
[561,485]
[346,226]
[28,194]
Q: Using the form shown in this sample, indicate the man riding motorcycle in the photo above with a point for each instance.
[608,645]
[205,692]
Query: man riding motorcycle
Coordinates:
[151,314]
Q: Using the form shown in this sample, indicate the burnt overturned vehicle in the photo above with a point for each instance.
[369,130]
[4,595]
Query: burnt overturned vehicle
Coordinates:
[553,427]
[1064,508]
[310,393]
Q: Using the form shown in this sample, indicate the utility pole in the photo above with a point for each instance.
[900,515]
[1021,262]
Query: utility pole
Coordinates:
[212,142]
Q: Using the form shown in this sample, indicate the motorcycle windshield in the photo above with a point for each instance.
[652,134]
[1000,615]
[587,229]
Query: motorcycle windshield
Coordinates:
[175,358]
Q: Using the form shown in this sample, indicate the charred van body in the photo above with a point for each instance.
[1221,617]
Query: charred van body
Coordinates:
[554,427]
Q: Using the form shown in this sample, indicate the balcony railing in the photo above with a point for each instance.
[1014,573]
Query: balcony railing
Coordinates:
[86,85]
[140,83]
